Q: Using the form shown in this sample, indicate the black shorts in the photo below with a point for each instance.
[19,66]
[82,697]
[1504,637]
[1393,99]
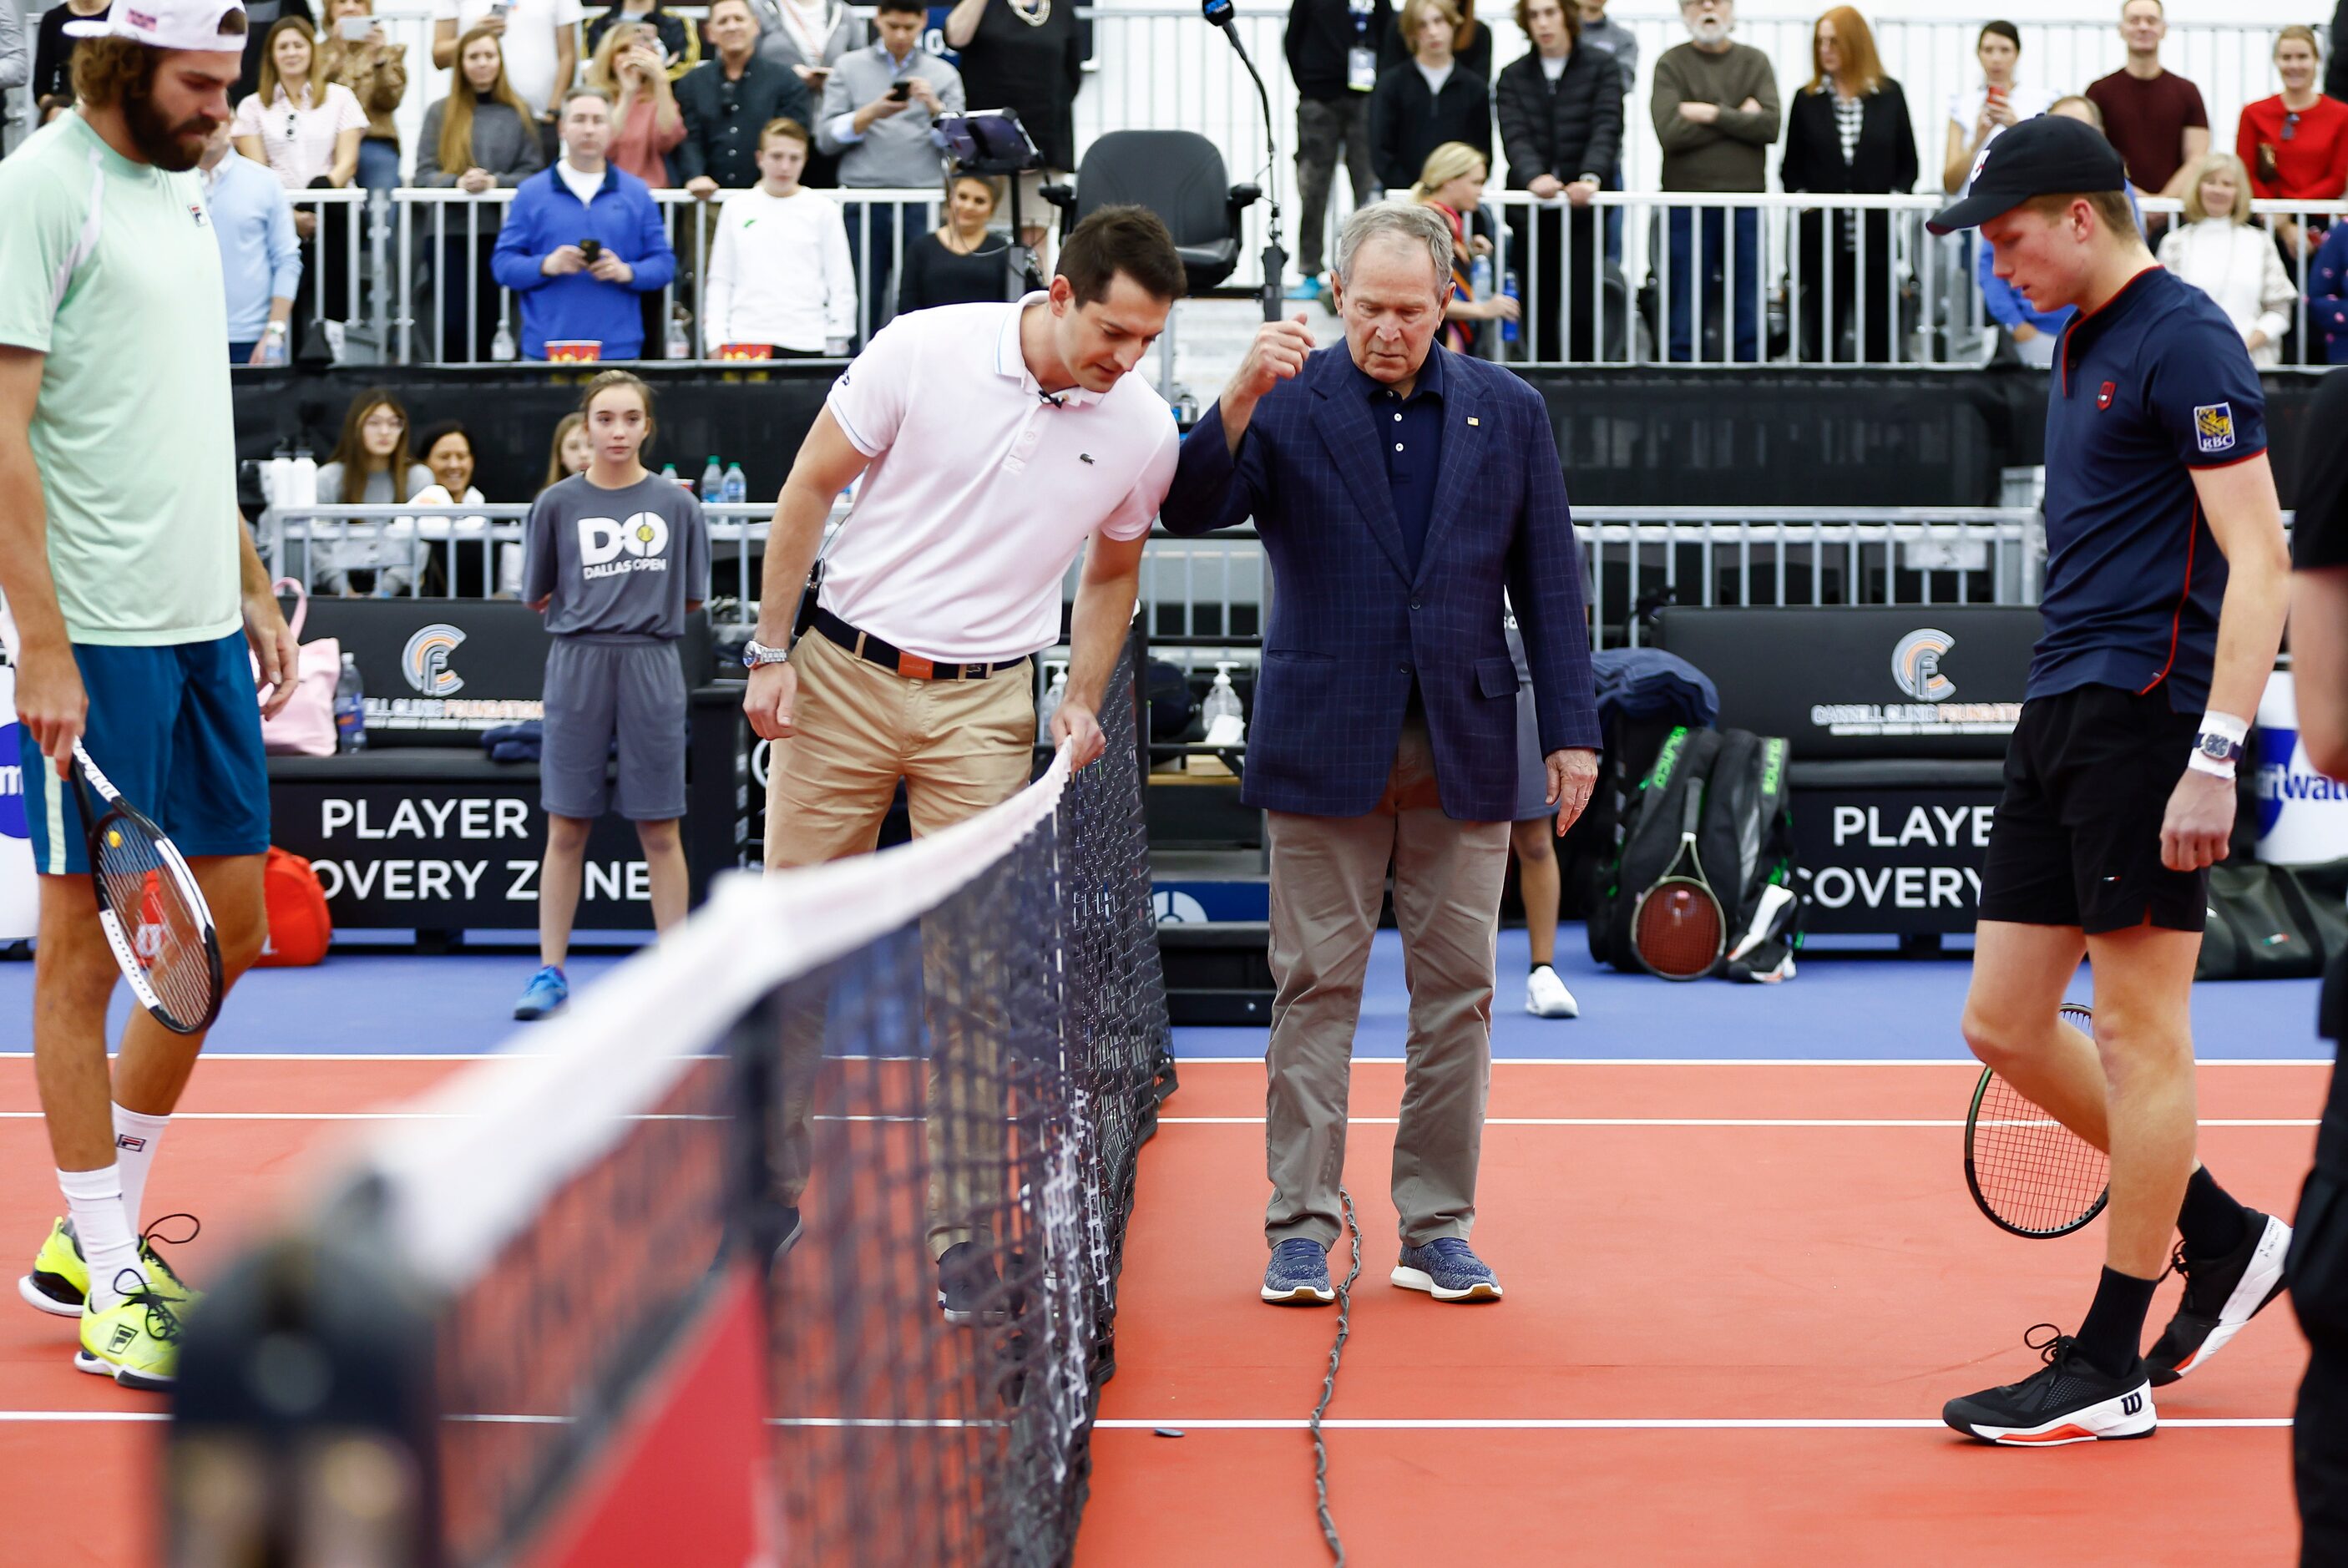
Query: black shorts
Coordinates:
[2088,775]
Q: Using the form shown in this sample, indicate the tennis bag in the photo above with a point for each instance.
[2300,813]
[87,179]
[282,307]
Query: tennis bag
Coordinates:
[299,925]
[1745,838]
[1651,837]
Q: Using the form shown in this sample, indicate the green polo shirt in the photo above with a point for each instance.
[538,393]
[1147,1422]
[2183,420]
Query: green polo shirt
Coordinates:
[109,269]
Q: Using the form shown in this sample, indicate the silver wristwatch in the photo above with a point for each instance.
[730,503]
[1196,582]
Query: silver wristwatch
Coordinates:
[755,653]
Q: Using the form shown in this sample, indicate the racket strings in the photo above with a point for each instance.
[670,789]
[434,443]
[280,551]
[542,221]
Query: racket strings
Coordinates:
[2035,1172]
[164,928]
[1678,932]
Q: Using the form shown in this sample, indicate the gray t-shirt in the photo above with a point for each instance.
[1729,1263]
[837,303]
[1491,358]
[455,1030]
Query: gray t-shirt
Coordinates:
[619,562]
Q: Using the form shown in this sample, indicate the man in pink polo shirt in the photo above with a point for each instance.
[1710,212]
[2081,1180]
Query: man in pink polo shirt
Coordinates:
[996,442]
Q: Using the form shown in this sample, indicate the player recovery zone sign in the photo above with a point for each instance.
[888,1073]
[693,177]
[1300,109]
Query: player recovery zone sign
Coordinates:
[1904,860]
[445,857]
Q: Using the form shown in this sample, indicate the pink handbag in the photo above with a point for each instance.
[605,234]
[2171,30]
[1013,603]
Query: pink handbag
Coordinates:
[307,727]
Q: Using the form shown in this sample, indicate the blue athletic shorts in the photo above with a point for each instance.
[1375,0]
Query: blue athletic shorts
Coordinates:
[176,729]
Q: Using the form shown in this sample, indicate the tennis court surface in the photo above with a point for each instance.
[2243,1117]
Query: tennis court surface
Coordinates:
[1742,1269]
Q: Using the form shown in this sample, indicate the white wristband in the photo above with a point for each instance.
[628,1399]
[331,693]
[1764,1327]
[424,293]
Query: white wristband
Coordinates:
[2201,764]
[2234,730]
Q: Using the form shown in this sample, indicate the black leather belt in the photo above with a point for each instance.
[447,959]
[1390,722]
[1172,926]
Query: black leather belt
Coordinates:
[913,666]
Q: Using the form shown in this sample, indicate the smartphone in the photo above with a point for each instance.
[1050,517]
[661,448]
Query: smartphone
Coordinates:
[590,250]
[355,29]
[900,91]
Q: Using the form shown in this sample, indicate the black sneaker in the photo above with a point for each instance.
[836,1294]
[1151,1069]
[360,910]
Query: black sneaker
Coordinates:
[2220,1296]
[968,1287]
[2071,1400]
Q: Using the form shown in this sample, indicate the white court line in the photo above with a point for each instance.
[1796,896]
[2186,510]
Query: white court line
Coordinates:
[1278,1424]
[1745,1061]
[1655,1121]
[363,1116]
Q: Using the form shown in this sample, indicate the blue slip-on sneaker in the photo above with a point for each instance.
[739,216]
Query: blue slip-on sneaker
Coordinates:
[1303,288]
[547,991]
[1448,1270]
[1298,1274]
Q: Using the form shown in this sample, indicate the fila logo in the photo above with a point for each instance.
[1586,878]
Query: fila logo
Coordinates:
[136,1145]
[2104,397]
[119,1340]
[196,210]
[2131,1403]
[643,538]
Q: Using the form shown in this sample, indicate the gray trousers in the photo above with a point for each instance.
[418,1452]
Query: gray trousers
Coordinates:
[1328,878]
[1325,128]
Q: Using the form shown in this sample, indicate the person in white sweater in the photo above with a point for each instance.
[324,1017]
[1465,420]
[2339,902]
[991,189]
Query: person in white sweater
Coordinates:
[2232,260]
[780,274]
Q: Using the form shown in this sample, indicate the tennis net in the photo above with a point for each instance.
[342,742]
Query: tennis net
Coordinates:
[675,1285]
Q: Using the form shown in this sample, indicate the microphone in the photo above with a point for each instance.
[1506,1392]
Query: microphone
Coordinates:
[1221,13]
[1054,397]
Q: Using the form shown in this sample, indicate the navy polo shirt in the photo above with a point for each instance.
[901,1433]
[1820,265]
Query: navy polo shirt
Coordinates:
[2148,388]
[1410,434]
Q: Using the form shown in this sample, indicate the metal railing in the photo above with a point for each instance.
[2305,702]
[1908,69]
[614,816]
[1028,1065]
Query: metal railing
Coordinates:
[1156,65]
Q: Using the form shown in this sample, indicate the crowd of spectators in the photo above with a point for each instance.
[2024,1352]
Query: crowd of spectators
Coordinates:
[1393,97]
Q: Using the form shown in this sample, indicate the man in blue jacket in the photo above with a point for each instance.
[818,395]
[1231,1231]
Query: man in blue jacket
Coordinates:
[583,240]
[1399,491]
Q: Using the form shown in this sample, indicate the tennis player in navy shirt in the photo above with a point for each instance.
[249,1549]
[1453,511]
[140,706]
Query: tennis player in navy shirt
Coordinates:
[2166,581]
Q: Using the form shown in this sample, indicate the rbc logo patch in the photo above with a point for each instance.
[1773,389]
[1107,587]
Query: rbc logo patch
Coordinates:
[12,782]
[2213,423]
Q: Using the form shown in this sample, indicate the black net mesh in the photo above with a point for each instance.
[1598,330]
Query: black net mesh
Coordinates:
[2035,1174]
[962,1103]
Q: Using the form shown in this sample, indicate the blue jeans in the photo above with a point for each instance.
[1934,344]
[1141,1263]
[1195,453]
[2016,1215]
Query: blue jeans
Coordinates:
[1744,313]
[378,165]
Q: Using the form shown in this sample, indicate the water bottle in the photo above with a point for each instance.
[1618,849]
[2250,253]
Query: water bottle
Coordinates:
[668,472]
[713,482]
[1479,277]
[1053,695]
[738,485]
[272,350]
[1508,329]
[680,341]
[1225,723]
[501,346]
[350,708]
[303,478]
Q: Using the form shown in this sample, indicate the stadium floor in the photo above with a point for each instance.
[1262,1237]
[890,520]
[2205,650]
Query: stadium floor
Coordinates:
[1742,1270]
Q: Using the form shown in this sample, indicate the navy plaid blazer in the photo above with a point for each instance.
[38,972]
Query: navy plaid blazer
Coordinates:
[1351,625]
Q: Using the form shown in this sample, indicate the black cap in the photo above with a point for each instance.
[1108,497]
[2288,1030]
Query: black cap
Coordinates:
[2052,155]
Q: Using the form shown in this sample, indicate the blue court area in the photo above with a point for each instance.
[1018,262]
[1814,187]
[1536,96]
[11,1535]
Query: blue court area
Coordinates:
[1849,1002]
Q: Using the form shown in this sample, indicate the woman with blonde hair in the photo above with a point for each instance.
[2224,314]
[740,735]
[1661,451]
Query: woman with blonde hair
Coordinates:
[646,124]
[479,137]
[2295,144]
[2221,252]
[1452,183]
[376,70]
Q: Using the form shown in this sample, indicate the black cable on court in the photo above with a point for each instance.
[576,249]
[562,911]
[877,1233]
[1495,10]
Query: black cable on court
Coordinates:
[1329,1384]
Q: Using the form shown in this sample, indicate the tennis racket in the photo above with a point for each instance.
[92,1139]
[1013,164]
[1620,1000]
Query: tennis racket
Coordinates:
[154,915]
[2030,1175]
[1677,929]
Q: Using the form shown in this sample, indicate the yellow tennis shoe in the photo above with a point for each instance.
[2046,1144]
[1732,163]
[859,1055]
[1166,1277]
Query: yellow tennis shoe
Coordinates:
[136,1341]
[60,1282]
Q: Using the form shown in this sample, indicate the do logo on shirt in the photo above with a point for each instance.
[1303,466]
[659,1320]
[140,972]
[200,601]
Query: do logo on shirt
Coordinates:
[607,549]
[2214,424]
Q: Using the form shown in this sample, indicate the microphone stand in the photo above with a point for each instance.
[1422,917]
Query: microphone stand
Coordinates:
[1275,258]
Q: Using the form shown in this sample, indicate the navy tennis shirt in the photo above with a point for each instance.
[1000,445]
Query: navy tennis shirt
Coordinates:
[2150,387]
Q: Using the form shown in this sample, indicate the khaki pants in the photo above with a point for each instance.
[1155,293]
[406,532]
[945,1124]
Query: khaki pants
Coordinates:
[960,747]
[1328,874]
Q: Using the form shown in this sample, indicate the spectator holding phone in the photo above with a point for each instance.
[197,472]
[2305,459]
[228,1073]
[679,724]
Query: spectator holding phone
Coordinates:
[582,240]
[647,122]
[877,116]
[725,101]
[679,45]
[357,55]
[780,273]
[1978,113]
[540,39]
[2295,144]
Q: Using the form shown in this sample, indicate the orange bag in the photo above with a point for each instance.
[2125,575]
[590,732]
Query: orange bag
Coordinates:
[299,925]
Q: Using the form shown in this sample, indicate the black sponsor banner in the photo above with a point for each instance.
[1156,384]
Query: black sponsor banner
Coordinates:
[1893,860]
[446,857]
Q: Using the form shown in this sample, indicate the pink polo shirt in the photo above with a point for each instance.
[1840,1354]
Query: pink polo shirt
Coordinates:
[982,490]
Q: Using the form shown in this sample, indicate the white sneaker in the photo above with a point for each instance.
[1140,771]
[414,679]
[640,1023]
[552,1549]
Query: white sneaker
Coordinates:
[1547,998]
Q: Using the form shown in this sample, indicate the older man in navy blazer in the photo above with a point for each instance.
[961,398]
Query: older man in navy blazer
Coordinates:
[1400,490]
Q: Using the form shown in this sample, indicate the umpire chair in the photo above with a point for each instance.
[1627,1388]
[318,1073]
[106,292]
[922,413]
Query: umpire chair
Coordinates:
[1179,175]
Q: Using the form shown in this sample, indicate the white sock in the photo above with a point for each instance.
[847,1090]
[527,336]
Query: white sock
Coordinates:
[135,1138]
[94,1198]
